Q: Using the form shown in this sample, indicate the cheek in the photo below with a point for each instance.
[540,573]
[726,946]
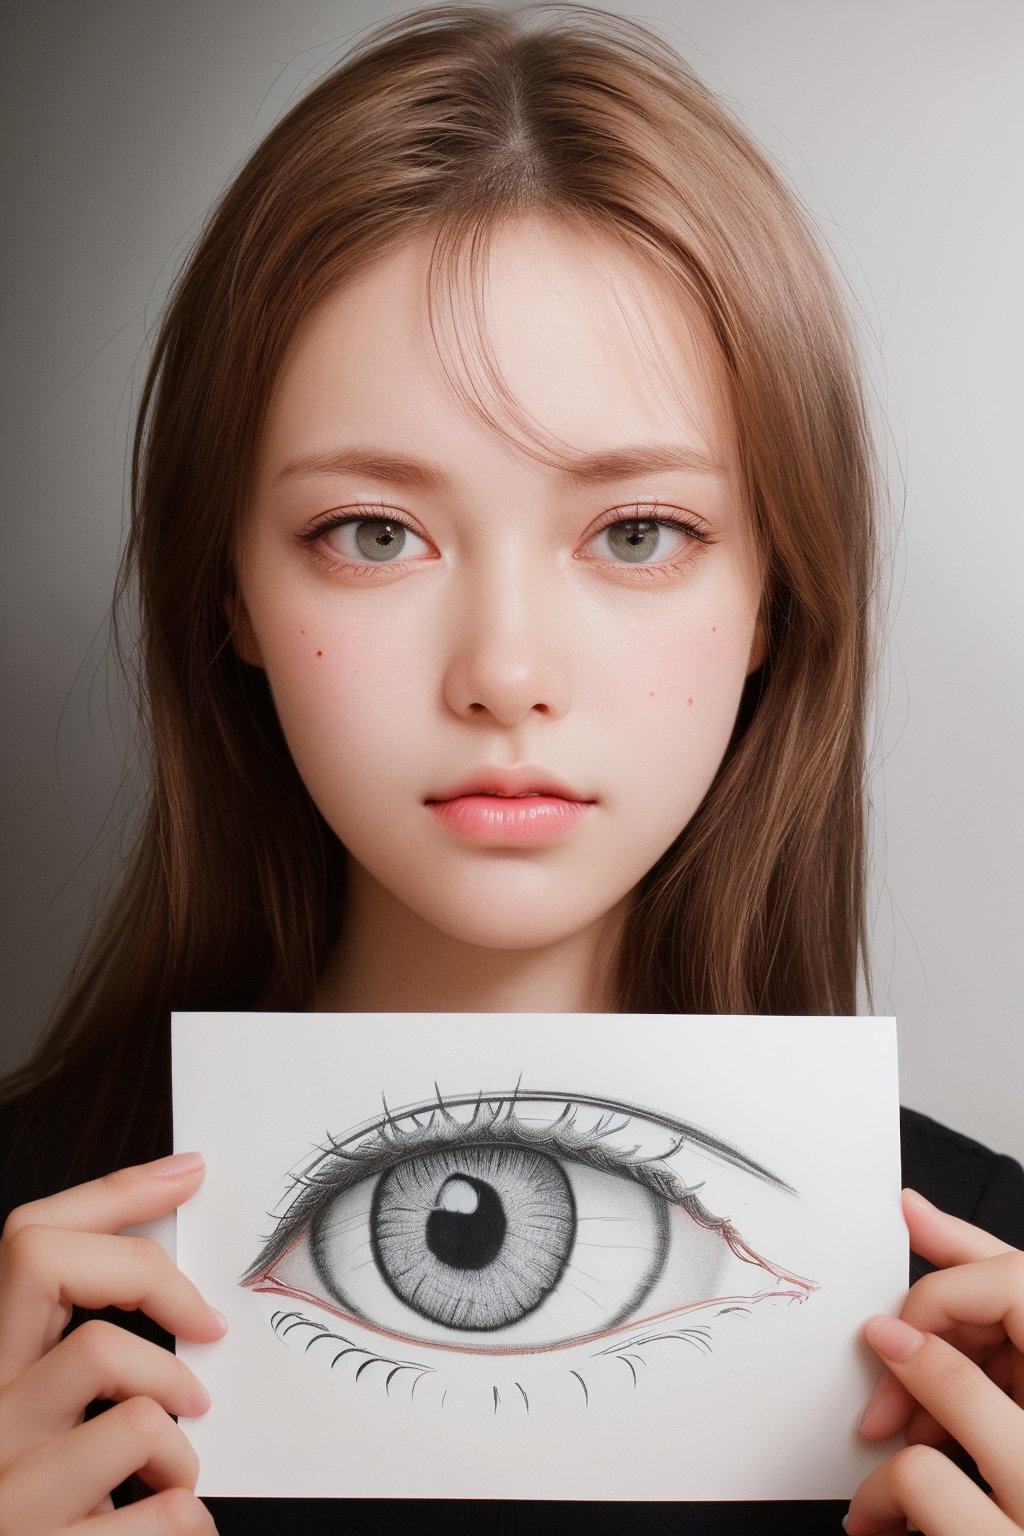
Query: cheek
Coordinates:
[344,697]
[678,687]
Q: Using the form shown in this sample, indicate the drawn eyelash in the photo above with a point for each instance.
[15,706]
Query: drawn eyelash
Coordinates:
[322,1333]
[381,1144]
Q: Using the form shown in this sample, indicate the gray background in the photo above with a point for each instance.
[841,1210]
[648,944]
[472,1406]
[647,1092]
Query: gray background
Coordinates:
[899,123]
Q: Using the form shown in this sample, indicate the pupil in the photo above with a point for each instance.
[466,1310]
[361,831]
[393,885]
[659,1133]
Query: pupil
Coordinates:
[633,540]
[380,540]
[466,1228]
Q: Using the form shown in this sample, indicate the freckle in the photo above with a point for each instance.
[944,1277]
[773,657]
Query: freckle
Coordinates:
[689,701]
[319,653]
[651,694]
[302,631]
[714,629]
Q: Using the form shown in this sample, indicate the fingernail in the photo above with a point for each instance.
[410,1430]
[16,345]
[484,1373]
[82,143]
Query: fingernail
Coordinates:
[180,1163]
[916,1199]
[200,1400]
[219,1318]
[845,1519]
[894,1338]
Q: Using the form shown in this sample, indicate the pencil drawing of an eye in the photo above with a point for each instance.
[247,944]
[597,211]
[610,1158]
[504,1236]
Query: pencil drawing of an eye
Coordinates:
[510,1224]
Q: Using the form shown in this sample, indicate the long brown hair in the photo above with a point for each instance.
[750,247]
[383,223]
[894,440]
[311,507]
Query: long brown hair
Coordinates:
[450,121]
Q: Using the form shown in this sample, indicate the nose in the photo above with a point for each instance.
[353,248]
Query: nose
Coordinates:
[508,657]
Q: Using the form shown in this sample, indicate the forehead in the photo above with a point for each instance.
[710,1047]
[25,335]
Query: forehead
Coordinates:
[557,340]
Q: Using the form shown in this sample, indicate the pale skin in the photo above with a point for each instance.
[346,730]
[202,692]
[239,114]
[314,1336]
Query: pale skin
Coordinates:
[515,627]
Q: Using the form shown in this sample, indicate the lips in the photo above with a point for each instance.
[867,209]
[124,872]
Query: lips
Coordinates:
[501,806]
[512,784]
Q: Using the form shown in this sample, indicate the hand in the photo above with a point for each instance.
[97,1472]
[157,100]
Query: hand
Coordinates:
[956,1374]
[56,1470]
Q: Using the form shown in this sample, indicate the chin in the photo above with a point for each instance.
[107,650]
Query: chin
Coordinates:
[519,927]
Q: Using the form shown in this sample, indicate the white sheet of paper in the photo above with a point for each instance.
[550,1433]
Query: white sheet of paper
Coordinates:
[583,1278]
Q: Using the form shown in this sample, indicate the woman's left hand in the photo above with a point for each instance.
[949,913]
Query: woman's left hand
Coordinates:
[956,1374]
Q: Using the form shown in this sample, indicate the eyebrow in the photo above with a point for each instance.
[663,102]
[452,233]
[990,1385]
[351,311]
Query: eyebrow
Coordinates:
[603,468]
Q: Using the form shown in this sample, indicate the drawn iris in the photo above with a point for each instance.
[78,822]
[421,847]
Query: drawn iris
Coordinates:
[473,1239]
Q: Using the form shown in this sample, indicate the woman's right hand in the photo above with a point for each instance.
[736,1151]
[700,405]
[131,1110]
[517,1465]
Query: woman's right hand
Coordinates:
[55,1469]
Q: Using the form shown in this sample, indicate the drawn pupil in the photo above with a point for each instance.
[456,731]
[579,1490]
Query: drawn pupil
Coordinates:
[634,538]
[379,539]
[471,1237]
[466,1238]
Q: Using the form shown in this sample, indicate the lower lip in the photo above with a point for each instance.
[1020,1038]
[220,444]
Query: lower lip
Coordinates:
[506,819]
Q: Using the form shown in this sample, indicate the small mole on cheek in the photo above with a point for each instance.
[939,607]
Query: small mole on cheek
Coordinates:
[651,694]
[319,653]
[714,629]
[689,701]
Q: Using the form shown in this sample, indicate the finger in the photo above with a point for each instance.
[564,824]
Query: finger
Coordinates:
[120,1199]
[945,1240]
[986,1293]
[99,1360]
[923,1487]
[61,1481]
[891,1407]
[1005,1368]
[888,1409]
[960,1396]
[977,1306]
[175,1512]
[46,1270]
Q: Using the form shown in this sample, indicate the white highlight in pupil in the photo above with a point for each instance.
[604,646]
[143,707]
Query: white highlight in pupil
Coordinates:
[457,1195]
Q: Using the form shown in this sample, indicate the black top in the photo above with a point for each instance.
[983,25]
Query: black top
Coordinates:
[40,1142]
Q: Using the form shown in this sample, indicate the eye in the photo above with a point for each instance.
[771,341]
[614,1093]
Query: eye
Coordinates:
[372,538]
[513,1224]
[645,537]
[637,540]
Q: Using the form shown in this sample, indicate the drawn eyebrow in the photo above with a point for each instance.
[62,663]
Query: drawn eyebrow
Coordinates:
[602,468]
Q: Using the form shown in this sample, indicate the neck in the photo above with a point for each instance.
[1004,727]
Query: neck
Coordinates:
[387,959]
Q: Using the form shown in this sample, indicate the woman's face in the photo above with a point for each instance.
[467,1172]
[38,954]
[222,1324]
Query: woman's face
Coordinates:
[507,686]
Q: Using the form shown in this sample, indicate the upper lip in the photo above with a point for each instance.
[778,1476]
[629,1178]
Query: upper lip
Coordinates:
[525,780]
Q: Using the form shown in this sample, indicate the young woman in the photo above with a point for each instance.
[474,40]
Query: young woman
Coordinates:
[503,529]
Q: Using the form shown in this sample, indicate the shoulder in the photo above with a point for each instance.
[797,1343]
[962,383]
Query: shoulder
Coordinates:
[963,1177]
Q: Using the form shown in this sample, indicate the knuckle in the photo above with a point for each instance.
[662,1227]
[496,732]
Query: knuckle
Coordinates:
[923,1290]
[94,1342]
[147,1253]
[20,1217]
[182,1514]
[120,1182]
[957,1378]
[1014,1262]
[27,1249]
[144,1416]
[914,1469]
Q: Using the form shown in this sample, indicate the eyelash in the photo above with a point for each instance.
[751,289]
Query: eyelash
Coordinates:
[313,538]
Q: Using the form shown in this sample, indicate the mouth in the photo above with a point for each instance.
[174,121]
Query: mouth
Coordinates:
[523,783]
[503,806]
